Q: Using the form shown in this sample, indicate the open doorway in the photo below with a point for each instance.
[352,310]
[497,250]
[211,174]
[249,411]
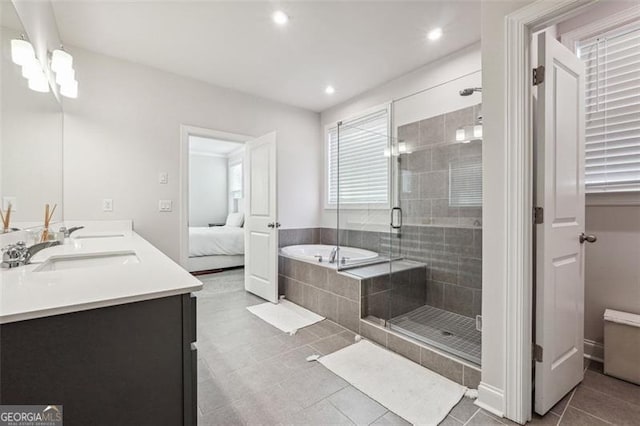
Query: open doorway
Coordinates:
[586,190]
[213,207]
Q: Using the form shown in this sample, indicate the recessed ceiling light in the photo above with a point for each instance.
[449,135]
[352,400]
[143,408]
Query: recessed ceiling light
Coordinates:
[434,34]
[329,90]
[279,17]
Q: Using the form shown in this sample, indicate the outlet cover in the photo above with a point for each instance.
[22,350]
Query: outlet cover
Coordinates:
[163,178]
[165,206]
[107,205]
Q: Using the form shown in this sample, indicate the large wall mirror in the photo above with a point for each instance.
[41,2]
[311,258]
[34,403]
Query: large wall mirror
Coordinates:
[30,139]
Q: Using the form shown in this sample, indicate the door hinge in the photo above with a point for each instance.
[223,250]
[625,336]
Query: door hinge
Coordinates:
[538,75]
[537,353]
[538,215]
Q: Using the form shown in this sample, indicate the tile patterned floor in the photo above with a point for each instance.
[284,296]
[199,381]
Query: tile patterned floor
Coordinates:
[250,373]
[446,330]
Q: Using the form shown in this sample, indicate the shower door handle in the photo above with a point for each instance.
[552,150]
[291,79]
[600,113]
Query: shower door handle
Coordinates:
[393,217]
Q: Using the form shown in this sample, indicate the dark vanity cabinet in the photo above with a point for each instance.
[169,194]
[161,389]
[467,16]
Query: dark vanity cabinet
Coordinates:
[128,364]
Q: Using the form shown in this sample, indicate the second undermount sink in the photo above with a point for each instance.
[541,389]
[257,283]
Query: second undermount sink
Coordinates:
[61,263]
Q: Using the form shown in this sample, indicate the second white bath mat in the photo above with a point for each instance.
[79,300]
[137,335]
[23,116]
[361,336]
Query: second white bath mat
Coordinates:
[286,316]
[420,396]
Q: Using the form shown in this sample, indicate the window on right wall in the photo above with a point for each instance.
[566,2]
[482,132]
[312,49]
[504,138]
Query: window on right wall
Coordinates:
[612,81]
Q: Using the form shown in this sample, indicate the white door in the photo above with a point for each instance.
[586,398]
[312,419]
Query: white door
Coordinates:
[559,157]
[261,227]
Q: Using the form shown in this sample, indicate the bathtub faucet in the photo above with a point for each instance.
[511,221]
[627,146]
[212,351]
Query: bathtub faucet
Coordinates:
[333,255]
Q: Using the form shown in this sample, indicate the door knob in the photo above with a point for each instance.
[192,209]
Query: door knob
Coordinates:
[588,238]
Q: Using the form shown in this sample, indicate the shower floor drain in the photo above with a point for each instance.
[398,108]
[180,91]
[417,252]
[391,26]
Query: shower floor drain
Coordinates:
[443,329]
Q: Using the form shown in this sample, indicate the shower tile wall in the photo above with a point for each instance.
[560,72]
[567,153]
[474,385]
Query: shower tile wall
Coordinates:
[452,255]
[424,173]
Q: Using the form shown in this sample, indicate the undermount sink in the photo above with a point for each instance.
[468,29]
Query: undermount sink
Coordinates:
[91,236]
[61,263]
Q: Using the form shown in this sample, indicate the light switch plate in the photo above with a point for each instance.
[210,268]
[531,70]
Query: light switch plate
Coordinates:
[163,178]
[107,205]
[9,200]
[165,205]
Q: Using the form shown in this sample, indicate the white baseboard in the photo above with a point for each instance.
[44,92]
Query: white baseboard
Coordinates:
[593,350]
[491,399]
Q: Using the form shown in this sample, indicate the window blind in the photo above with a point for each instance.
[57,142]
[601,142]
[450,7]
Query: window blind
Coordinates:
[612,80]
[358,169]
[465,182]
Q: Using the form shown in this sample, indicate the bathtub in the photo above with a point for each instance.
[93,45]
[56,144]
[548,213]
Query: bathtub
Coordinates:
[310,252]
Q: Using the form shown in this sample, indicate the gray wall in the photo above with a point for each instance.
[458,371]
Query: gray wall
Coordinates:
[612,264]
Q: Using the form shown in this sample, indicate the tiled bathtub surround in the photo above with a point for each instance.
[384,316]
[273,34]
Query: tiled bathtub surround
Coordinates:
[337,297]
[321,290]
[452,255]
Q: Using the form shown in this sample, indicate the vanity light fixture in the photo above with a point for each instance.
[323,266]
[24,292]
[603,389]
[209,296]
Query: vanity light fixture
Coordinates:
[31,68]
[62,66]
[329,90]
[22,54]
[21,51]
[61,61]
[279,17]
[38,82]
[477,131]
[434,34]
[65,77]
[397,150]
[69,89]
[468,134]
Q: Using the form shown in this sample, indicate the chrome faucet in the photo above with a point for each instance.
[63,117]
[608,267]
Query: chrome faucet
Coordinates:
[19,254]
[333,255]
[69,231]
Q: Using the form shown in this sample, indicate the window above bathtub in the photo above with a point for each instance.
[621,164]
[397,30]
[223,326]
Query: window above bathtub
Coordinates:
[358,161]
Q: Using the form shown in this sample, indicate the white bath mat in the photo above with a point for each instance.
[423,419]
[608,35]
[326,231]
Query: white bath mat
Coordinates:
[286,316]
[420,396]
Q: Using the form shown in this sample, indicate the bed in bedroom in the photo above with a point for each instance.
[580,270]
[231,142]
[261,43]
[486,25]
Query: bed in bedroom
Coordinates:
[216,247]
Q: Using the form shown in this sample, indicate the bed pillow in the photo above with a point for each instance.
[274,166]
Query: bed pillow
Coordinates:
[235,220]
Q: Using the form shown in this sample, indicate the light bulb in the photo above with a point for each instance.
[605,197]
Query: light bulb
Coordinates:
[477,131]
[39,83]
[329,90]
[65,75]
[61,60]
[21,52]
[31,69]
[460,135]
[70,89]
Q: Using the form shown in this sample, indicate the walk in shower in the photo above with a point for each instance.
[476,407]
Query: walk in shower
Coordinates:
[406,182]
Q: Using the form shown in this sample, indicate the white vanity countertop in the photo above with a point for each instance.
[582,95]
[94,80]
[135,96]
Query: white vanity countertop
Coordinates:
[25,294]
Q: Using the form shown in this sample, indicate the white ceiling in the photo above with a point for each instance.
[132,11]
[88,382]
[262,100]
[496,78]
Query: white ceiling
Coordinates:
[208,146]
[352,45]
[9,17]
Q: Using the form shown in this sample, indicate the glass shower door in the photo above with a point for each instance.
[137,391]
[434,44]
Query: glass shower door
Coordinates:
[435,277]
